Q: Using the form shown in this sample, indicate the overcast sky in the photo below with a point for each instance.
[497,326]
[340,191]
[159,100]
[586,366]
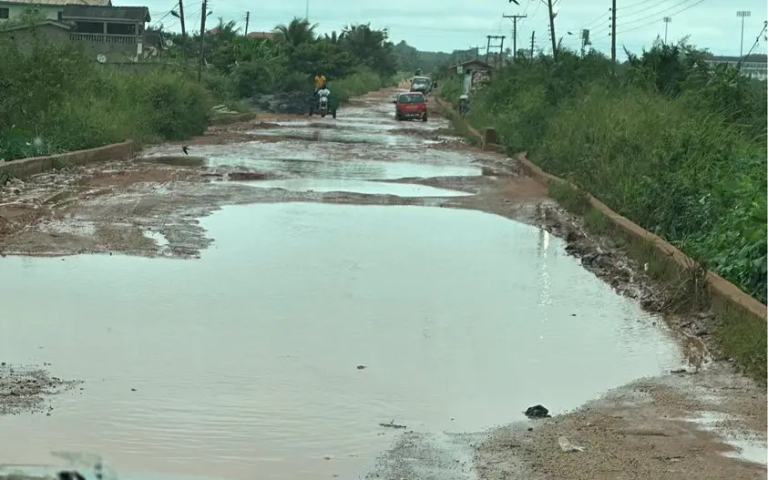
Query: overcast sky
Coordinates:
[446,25]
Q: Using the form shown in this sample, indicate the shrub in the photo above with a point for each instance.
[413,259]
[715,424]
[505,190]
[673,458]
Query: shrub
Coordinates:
[670,143]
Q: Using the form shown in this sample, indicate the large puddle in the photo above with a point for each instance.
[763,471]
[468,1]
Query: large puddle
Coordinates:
[356,186]
[244,363]
[324,161]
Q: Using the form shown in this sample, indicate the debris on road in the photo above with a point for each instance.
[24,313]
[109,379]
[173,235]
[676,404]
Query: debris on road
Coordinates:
[23,389]
[537,411]
[567,446]
[392,424]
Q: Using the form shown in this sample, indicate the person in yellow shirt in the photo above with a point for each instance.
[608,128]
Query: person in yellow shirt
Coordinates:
[319,82]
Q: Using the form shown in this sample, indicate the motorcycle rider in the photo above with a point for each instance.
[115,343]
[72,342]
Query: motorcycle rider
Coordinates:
[323,92]
[319,81]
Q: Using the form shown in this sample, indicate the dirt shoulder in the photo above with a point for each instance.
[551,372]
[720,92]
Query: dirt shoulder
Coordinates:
[644,430]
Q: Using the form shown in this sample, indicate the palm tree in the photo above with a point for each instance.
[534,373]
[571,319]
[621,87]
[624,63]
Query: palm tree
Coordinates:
[334,38]
[297,32]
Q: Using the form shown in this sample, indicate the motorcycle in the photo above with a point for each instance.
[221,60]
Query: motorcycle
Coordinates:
[322,106]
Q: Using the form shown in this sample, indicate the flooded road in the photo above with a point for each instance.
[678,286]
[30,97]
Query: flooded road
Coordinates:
[316,287]
[247,359]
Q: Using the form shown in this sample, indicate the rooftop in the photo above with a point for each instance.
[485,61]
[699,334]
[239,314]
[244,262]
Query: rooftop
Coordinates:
[53,23]
[136,14]
[99,3]
[269,35]
[475,61]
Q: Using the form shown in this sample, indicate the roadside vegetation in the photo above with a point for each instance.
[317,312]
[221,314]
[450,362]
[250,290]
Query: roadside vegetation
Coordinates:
[666,140]
[669,142]
[57,99]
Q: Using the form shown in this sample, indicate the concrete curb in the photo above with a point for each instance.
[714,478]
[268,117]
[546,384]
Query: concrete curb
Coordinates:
[487,139]
[26,167]
[723,292]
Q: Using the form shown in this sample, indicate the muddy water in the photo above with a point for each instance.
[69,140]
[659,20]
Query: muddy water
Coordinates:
[246,360]
[356,186]
[326,161]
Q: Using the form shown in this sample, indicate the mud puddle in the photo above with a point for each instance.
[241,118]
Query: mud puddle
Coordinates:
[746,446]
[356,186]
[322,161]
[246,360]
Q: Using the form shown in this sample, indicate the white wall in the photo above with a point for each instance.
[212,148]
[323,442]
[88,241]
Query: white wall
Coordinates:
[51,11]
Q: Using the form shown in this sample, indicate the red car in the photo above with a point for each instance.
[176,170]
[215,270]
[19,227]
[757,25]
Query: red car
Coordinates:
[411,105]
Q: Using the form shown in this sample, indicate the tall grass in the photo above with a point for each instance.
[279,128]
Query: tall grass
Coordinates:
[55,100]
[683,154]
[358,83]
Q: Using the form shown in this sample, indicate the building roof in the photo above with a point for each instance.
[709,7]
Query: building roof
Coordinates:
[476,62]
[99,3]
[53,23]
[269,35]
[136,14]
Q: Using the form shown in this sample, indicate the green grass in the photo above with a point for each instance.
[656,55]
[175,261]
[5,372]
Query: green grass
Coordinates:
[678,151]
[357,84]
[57,100]
[741,337]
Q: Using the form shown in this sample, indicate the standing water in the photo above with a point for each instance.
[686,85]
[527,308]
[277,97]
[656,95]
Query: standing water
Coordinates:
[246,361]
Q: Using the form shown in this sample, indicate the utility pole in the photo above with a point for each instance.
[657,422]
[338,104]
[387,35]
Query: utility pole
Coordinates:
[666,26]
[584,41]
[247,21]
[181,17]
[552,29]
[499,61]
[306,10]
[742,14]
[203,16]
[613,34]
[533,40]
[514,33]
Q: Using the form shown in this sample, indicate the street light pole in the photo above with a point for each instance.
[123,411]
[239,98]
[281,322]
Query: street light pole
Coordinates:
[742,14]
[666,26]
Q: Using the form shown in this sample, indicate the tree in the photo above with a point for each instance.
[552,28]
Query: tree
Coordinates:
[298,31]
[371,48]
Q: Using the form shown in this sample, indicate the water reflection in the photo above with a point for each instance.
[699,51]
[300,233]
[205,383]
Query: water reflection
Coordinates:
[245,361]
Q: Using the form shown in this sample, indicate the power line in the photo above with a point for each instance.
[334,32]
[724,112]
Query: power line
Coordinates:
[757,40]
[632,6]
[657,13]
[659,19]
[593,22]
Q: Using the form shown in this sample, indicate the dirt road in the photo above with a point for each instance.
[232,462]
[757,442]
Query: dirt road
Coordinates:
[256,296]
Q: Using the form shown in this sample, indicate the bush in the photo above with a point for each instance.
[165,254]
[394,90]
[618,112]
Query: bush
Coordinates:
[358,83]
[56,100]
[676,146]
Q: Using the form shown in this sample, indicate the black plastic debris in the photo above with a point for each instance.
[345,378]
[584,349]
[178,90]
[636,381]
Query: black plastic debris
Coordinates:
[537,411]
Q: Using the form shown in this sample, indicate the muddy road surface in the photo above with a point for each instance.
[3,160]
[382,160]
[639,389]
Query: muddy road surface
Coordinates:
[303,298]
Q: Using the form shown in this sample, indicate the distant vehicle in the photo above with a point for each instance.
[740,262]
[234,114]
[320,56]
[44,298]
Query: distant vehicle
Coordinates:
[421,84]
[411,105]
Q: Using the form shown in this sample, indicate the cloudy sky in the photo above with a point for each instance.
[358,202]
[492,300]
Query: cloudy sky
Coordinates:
[446,25]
